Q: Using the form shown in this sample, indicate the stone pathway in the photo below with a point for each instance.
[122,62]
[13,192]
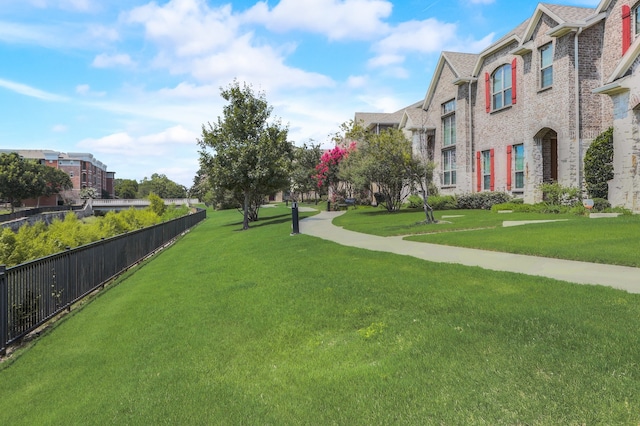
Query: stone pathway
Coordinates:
[620,277]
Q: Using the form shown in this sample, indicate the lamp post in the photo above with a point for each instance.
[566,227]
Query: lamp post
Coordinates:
[294,218]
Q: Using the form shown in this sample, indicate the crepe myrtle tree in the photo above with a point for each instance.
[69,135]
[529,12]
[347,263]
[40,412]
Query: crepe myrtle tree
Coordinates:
[243,152]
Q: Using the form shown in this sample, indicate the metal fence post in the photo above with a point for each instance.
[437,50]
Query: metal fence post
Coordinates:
[4,311]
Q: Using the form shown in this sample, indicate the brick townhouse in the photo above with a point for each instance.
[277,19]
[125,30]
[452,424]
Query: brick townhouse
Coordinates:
[525,110]
[84,170]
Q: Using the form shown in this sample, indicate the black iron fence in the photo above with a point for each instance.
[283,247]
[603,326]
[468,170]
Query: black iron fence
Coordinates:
[32,293]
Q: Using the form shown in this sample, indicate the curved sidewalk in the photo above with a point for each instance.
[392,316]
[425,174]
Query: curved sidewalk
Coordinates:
[620,277]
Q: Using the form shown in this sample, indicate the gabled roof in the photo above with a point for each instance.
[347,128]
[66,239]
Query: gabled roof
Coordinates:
[510,37]
[461,64]
[603,6]
[371,119]
[568,17]
[613,83]
[414,117]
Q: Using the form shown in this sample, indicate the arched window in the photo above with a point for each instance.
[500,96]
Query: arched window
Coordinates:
[501,87]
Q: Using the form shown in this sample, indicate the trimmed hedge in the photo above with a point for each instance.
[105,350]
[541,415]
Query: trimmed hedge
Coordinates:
[482,200]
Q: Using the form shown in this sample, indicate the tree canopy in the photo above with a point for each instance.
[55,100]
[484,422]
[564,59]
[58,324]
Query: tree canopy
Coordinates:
[21,179]
[385,159]
[126,188]
[162,186]
[245,153]
[303,177]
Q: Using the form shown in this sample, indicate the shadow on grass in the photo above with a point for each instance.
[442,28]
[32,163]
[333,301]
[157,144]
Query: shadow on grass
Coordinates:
[385,212]
[270,220]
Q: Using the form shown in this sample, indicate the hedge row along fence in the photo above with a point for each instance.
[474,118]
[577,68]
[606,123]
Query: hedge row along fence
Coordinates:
[32,293]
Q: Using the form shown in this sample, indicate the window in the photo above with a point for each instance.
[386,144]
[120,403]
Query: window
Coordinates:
[486,170]
[449,123]
[546,66]
[449,167]
[636,20]
[501,87]
[518,155]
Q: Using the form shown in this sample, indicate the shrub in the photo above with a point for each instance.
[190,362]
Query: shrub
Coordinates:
[579,210]
[414,202]
[598,165]
[557,195]
[516,207]
[482,200]
[443,202]
[156,204]
[625,212]
[600,204]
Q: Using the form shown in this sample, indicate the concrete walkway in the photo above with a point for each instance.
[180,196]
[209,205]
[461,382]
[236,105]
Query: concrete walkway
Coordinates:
[620,277]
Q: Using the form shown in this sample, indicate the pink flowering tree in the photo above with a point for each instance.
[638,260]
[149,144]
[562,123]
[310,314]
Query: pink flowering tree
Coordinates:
[327,170]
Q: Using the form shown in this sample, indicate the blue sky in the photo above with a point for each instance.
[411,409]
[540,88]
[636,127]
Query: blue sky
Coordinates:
[133,81]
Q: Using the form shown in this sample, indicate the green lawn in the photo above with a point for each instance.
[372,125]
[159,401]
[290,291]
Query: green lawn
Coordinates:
[260,327]
[609,240]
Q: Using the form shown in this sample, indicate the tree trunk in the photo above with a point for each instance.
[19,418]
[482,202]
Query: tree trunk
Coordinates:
[245,222]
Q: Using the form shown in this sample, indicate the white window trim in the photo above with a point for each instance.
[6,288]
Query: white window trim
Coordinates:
[543,68]
[502,69]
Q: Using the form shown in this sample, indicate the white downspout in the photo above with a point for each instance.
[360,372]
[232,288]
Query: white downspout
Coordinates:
[577,90]
[470,138]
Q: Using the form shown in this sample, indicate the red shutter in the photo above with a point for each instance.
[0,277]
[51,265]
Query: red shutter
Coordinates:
[509,149]
[626,28]
[487,92]
[514,84]
[492,171]
[479,171]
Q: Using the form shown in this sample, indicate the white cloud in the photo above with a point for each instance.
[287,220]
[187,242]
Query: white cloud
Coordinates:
[262,66]
[427,36]
[385,60]
[103,33]
[72,5]
[59,128]
[105,60]
[85,90]
[194,39]
[151,145]
[357,81]
[337,19]
[186,27]
[23,89]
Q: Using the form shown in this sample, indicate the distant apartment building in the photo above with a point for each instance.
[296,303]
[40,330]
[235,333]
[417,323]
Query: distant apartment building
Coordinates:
[83,168]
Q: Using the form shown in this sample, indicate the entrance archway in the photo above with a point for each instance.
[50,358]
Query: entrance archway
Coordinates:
[548,140]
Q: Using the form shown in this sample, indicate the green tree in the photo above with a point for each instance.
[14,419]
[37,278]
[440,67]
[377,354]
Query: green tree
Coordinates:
[202,189]
[162,186]
[386,160]
[20,179]
[242,152]
[598,165]
[156,204]
[303,179]
[126,188]
[55,181]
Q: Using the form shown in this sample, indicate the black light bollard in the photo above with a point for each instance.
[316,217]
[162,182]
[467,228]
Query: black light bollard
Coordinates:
[294,218]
